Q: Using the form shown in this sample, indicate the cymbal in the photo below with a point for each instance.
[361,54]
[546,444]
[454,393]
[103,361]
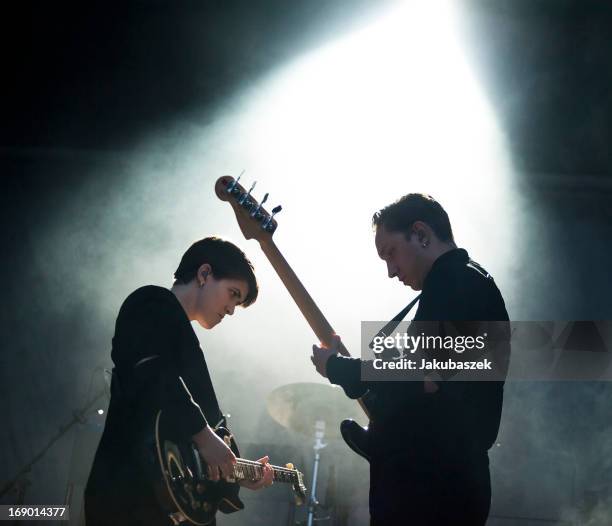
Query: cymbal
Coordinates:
[299,406]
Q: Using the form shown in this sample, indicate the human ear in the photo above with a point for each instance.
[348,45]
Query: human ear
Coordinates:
[203,273]
[419,228]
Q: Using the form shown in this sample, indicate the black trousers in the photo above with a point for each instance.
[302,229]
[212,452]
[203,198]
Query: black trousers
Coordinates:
[119,493]
[101,511]
[434,493]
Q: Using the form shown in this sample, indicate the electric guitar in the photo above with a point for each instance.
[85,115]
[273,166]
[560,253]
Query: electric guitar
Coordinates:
[184,489]
[256,223]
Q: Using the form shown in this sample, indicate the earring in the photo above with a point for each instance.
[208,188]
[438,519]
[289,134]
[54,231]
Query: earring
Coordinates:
[424,245]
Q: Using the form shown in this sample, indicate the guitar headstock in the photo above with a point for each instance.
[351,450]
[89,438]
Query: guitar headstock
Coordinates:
[300,489]
[254,220]
[298,486]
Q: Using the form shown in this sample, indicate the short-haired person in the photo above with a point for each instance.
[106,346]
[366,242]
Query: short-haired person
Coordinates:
[428,439]
[159,365]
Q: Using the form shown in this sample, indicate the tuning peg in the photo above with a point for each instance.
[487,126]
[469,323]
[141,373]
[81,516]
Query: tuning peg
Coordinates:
[258,208]
[244,199]
[267,224]
[233,184]
[289,465]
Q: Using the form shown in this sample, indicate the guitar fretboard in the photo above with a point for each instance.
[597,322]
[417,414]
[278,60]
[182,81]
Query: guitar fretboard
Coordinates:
[251,470]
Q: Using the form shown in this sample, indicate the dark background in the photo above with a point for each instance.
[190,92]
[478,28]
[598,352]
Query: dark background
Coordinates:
[98,75]
[83,83]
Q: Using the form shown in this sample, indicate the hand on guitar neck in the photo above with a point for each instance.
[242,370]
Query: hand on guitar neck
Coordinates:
[320,355]
[265,481]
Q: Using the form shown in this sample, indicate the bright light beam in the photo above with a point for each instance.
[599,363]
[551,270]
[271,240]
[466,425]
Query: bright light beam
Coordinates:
[352,126]
[344,130]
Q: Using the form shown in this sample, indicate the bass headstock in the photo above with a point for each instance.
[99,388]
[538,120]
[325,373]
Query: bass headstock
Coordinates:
[254,220]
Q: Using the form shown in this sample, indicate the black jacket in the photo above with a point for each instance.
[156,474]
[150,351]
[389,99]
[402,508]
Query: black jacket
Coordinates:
[462,417]
[158,365]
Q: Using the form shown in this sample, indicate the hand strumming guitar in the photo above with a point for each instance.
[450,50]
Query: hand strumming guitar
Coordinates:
[216,453]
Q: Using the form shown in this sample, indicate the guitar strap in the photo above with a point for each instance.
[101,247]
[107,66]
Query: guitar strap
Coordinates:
[211,408]
[390,327]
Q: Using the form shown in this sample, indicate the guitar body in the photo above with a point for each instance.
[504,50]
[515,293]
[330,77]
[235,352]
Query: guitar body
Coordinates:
[356,437]
[183,486]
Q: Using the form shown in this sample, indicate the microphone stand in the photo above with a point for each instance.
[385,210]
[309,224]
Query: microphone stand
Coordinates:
[313,502]
[78,417]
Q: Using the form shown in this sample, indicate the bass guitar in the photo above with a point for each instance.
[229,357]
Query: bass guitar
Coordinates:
[256,223]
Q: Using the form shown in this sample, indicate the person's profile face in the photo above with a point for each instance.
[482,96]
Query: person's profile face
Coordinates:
[218,298]
[401,256]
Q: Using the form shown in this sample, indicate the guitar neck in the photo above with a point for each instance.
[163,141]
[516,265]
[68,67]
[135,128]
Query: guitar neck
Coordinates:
[300,295]
[256,223]
[250,470]
[304,301]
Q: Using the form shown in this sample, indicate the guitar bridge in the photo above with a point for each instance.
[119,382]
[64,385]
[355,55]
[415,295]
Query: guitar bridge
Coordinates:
[177,517]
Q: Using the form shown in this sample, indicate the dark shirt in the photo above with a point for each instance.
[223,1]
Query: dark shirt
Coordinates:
[159,365]
[428,451]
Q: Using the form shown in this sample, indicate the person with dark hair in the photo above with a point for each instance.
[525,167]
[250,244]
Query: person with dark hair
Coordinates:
[428,439]
[226,258]
[159,365]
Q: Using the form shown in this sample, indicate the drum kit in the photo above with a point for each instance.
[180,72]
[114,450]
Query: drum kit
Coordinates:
[314,410]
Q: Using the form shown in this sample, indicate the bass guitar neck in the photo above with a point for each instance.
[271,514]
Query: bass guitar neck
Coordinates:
[256,223]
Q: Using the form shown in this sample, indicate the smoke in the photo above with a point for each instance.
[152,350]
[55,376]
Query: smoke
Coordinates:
[123,219]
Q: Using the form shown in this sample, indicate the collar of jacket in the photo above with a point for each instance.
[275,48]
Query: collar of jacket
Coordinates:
[454,257]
